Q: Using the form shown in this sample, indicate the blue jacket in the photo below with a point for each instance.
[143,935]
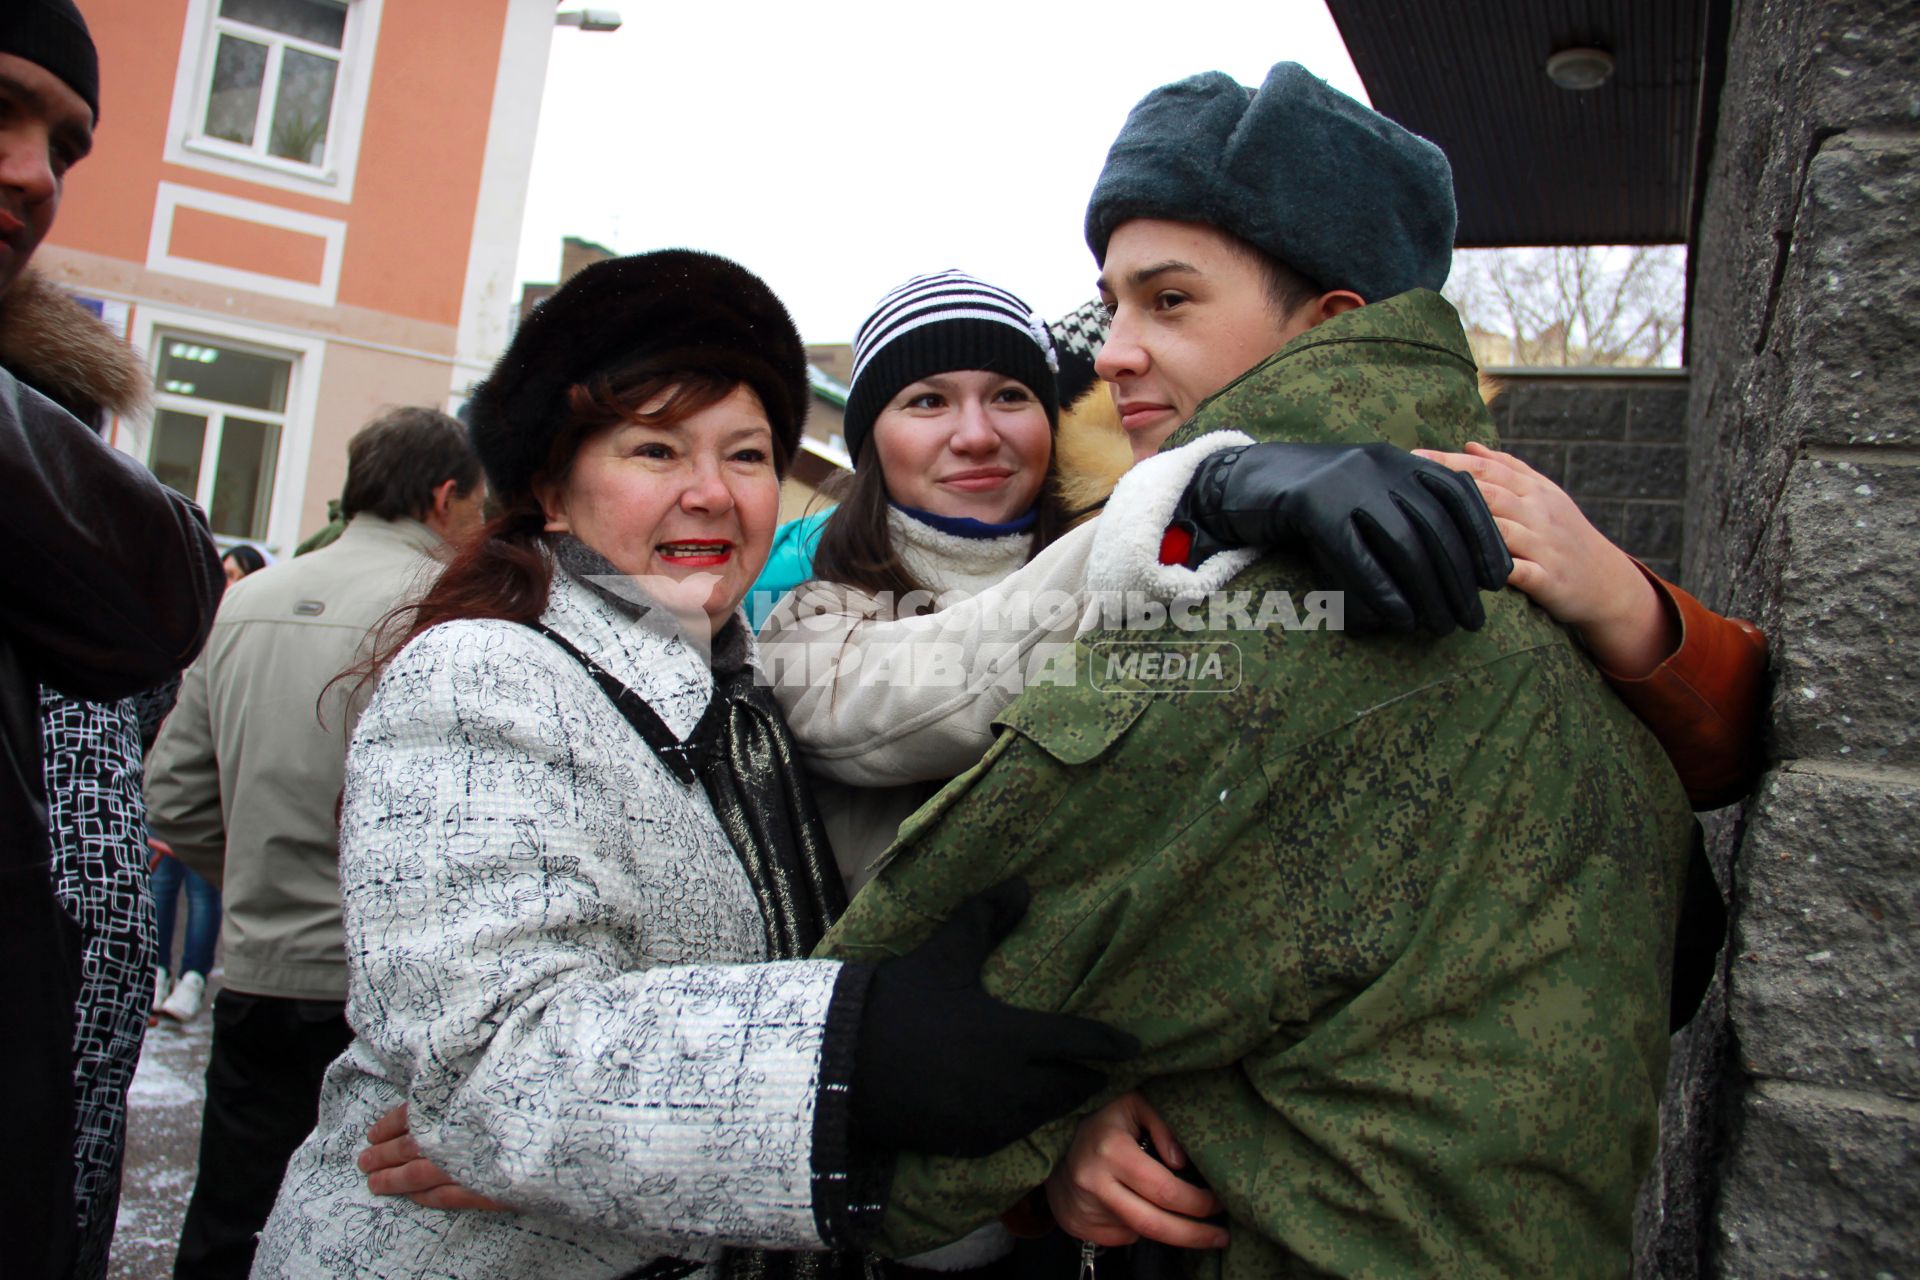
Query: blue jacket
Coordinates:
[789,564]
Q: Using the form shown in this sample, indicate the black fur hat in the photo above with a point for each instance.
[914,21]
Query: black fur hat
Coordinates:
[676,310]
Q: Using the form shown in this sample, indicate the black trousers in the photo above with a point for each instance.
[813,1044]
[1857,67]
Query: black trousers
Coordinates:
[263,1091]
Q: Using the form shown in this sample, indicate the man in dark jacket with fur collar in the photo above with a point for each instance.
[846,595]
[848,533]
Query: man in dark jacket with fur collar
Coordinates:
[108,583]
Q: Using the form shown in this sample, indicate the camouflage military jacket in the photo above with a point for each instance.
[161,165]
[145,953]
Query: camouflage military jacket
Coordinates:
[1391,917]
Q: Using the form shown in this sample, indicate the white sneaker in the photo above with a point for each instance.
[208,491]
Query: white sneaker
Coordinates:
[184,1003]
[162,984]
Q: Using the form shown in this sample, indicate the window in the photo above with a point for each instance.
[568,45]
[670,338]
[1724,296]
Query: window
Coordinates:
[219,414]
[275,91]
[275,66]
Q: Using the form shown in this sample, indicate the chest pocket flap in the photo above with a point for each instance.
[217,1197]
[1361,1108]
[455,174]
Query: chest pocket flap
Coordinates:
[1075,725]
[1072,725]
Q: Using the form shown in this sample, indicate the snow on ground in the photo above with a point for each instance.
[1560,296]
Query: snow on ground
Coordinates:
[163,1140]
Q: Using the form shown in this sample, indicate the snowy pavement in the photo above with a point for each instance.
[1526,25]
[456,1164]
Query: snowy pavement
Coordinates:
[163,1143]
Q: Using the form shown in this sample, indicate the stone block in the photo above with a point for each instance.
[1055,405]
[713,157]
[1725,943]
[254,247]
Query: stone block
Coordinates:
[1819,1183]
[1674,1212]
[1851,304]
[1658,414]
[1796,72]
[1626,470]
[1737,446]
[1825,968]
[1847,669]
[1571,410]
[1759,144]
[1861,60]
[1652,530]
[1549,459]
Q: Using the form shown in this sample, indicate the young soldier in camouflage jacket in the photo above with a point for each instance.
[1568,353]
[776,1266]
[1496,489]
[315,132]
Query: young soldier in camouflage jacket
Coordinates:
[1393,920]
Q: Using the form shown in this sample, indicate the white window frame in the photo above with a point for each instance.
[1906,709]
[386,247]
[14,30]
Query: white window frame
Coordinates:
[331,232]
[153,325]
[188,145]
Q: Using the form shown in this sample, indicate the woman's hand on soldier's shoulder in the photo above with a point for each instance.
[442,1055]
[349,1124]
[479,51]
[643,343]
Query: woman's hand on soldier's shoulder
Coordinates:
[1567,566]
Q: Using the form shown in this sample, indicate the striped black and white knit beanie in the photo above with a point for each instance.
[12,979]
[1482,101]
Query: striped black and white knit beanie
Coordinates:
[940,323]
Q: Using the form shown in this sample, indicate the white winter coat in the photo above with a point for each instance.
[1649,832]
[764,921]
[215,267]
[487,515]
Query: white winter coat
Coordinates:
[551,949]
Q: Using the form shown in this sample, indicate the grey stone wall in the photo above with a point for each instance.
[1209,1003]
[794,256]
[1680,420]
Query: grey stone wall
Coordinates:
[1615,441]
[1791,1142]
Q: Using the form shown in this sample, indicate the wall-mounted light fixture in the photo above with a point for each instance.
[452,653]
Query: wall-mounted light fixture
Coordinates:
[589,19]
[1580,69]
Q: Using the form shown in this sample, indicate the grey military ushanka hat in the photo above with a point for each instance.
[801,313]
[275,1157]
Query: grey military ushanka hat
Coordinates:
[1298,169]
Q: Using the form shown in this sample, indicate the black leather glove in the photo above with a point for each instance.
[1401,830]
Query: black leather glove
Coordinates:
[1410,542]
[944,1068]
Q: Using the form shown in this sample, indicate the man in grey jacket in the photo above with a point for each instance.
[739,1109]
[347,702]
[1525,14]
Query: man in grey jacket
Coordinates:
[243,784]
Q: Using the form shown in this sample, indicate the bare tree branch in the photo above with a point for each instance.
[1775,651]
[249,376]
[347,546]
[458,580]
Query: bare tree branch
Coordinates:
[1573,305]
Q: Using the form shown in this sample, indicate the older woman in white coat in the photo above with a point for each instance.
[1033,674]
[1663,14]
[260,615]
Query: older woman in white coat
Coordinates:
[579,865]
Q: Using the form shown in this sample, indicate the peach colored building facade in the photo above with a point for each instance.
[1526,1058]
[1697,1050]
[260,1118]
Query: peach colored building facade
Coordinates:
[301,211]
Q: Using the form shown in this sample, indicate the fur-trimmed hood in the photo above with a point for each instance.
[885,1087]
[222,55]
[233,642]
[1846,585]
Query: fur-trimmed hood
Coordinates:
[65,352]
[1090,452]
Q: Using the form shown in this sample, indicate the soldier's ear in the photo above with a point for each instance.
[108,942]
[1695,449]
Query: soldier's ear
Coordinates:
[1337,303]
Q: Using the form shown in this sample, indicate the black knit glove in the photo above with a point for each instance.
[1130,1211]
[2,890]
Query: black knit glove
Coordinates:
[1410,542]
[941,1067]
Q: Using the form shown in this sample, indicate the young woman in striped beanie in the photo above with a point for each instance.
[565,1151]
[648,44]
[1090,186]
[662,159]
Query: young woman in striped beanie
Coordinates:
[950,421]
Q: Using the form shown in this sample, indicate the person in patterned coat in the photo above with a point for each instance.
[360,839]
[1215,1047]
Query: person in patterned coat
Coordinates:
[1394,922]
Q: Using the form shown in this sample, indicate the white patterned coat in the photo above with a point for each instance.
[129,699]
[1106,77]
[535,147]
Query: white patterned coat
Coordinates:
[551,947]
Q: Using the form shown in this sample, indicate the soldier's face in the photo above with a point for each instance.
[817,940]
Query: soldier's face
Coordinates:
[45,128]
[1190,314]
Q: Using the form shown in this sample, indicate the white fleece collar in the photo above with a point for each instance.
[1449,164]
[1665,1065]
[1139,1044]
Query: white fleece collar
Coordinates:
[1126,545]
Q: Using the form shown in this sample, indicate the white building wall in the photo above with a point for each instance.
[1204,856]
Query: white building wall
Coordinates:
[486,305]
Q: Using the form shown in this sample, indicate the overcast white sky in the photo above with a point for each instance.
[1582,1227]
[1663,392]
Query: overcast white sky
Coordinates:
[837,148]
